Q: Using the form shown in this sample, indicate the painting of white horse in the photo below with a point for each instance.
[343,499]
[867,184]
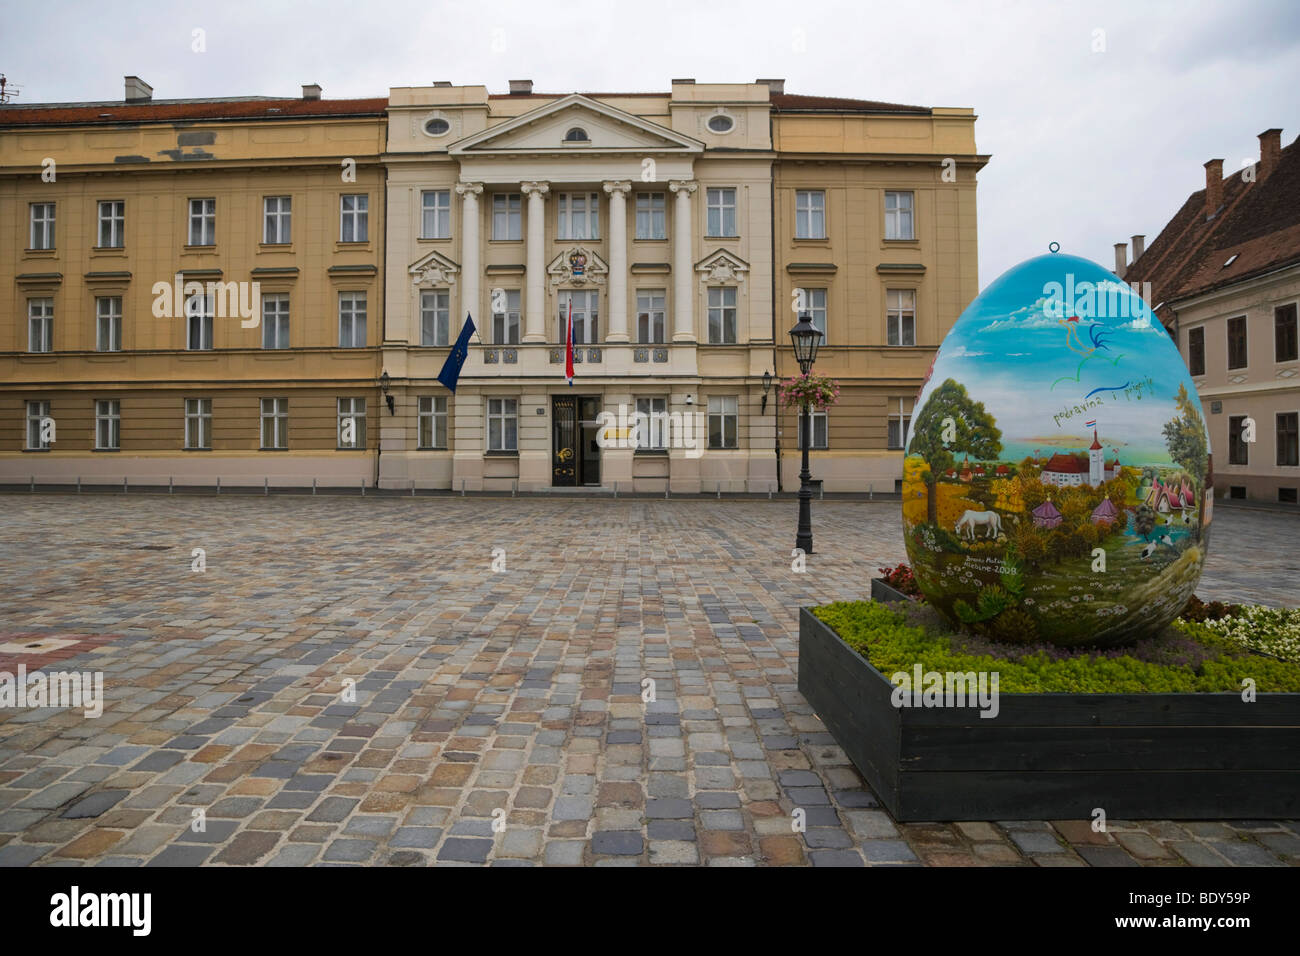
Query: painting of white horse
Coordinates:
[988,520]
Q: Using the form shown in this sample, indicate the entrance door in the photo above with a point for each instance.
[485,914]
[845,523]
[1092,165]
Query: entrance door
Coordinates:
[575,453]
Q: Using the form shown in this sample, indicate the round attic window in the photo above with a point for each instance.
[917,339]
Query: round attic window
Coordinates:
[576,135]
[437,126]
[721,123]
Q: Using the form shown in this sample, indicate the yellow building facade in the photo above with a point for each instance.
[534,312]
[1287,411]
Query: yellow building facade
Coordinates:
[192,290]
[681,230]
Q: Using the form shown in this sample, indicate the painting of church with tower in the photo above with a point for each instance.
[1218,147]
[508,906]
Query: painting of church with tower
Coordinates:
[1071,470]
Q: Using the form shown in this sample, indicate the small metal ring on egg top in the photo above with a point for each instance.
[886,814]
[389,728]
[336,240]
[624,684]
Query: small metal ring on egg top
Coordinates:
[1054,247]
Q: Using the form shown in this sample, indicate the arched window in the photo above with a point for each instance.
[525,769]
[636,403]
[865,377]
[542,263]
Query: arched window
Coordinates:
[576,135]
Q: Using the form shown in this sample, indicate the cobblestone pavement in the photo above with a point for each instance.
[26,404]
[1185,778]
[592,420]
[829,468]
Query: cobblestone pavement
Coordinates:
[480,696]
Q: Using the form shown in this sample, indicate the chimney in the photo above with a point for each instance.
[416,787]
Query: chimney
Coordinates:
[773,86]
[311,91]
[1121,250]
[688,81]
[521,87]
[1139,246]
[1270,151]
[441,84]
[137,90]
[1213,188]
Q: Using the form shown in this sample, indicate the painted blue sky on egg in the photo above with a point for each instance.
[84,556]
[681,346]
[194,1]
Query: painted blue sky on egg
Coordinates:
[1043,376]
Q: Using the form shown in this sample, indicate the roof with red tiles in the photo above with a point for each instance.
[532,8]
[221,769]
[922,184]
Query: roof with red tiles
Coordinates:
[1256,231]
[1066,464]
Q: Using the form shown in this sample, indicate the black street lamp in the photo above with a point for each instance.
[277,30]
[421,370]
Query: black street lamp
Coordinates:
[806,339]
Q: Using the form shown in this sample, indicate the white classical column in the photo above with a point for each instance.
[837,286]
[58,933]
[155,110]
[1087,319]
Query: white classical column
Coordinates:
[618,191]
[683,264]
[471,271]
[535,304]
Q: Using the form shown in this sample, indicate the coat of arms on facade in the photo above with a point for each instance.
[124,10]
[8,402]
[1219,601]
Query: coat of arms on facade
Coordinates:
[577,266]
[433,270]
[722,268]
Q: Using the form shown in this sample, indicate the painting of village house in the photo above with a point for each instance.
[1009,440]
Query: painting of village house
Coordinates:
[1057,481]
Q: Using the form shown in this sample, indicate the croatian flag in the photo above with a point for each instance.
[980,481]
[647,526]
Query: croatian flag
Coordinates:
[568,345]
[1090,424]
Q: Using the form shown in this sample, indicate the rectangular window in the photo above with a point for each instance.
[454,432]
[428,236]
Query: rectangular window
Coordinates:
[820,437]
[723,421]
[42,220]
[433,421]
[354,218]
[651,216]
[275,423]
[435,317]
[38,413]
[586,317]
[352,320]
[203,222]
[503,424]
[720,205]
[40,325]
[900,317]
[277,219]
[198,422]
[578,216]
[898,216]
[1238,450]
[900,421]
[352,423]
[1237,342]
[1196,350]
[809,214]
[722,315]
[199,313]
[505,324]
[112,223]
[1284,333]
[651,423]
[275,321]
[650,316]
[815,300]
[507,222]
[435,214]
[1288,438]
[108,425]
[108,323]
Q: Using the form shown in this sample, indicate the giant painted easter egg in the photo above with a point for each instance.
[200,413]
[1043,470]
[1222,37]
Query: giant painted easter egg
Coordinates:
[1057,480]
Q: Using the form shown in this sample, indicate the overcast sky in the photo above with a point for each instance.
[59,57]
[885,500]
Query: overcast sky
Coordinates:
[1098,116]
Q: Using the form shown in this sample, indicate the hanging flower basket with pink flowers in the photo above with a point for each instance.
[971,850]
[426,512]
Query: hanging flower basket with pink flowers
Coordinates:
[819,391]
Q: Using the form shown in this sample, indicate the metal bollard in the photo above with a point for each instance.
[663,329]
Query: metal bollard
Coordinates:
[665,492]
[719,489]
[313,486]
[821,492]
[462,487]
[363,487]
[871,492]
[170,480]
[124,484]
[616,489]
[266,486]
[78,484]
[218,484]
[32,488]
[412,487]
[514,488]
[769,492]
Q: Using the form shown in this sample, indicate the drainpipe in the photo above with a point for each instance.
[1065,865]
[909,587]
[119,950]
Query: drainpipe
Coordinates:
[383,316]
[776,377]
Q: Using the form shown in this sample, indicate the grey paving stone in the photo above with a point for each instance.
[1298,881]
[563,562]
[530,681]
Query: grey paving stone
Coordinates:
[95,804]
[617,843]
[465,849]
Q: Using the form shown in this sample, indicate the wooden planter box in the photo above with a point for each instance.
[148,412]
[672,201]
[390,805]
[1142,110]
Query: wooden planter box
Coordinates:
[1057,756]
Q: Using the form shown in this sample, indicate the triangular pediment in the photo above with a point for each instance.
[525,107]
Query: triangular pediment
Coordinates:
[433,269]
[722,267]
[544,130]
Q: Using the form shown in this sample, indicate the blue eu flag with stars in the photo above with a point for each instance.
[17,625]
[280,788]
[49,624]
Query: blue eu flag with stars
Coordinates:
[450,373]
